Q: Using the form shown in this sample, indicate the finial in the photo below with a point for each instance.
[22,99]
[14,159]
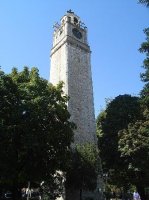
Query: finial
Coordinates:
[70,11]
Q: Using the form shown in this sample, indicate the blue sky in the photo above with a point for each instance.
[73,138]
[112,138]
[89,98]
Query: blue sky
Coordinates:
[115,32]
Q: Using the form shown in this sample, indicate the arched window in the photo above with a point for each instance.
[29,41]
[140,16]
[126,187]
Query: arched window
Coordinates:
[75,20]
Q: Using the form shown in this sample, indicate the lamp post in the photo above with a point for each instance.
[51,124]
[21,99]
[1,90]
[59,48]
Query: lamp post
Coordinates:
[105,177]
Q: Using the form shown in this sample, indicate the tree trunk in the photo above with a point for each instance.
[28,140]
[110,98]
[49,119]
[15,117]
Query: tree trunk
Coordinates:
[81,194]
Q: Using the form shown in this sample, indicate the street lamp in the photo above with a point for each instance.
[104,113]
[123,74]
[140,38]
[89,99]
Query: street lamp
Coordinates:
[105,177]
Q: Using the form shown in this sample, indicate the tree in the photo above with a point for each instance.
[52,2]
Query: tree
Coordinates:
[121,111]
[145,76]
[35,130]
[84,168]
[134,140]
[146,2]
[134,148]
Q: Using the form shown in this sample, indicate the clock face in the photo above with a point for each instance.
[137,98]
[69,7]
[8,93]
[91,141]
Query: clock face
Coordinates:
[77,33]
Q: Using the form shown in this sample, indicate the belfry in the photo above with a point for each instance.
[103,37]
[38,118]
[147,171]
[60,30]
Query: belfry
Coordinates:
[70,63]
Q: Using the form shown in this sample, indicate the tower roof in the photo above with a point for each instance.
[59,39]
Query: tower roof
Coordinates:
[70,13]
[73,19]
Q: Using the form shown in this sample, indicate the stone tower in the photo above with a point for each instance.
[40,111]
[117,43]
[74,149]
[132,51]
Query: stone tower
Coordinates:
[70,63]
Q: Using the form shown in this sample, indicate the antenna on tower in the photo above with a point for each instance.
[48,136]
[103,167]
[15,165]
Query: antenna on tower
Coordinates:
[82,25]
[56,26]
[70,11]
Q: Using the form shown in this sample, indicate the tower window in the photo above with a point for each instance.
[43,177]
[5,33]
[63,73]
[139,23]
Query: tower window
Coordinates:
[75,20]
[61,31]
[69,19]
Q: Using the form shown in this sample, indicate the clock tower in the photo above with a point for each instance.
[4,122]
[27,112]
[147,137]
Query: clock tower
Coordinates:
[70,63]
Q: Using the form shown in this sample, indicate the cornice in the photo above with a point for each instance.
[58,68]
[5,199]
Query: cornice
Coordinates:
[70,41]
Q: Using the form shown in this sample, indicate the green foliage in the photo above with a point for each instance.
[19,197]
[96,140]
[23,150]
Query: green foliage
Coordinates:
[134,140]
[53,187]
[118,114]
[134,148]
[123,133]
[35,128]
[121,111]
[145,76]
[146,2]
[134,145]
[101,117]
[84,167]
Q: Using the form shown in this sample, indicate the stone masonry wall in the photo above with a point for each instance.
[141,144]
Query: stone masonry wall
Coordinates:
[71,64]
[81,94]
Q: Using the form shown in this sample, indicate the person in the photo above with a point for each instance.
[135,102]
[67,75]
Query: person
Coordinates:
[136,196]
